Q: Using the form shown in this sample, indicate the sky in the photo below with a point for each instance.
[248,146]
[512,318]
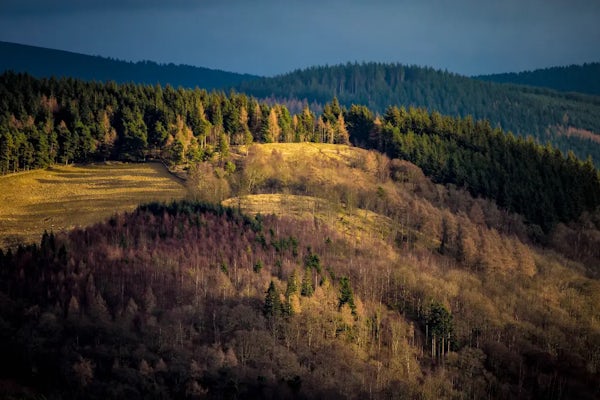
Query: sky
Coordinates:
[271,37]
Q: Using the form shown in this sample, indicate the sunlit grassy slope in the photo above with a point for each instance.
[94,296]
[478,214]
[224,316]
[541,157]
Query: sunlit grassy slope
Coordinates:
[340,186]
[62,197]
[325,165]
[356,224]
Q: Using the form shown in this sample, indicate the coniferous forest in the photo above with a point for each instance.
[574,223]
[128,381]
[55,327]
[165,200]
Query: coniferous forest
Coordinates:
[440,257]
[544,114]
[62,121]
[26,59]
[572,78]
[559,105]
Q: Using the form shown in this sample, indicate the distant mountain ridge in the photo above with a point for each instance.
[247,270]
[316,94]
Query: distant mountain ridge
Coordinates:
[44,62]
[570,121]
[572,78]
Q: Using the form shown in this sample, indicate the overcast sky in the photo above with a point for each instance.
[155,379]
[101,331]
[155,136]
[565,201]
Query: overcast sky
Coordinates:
[269,37]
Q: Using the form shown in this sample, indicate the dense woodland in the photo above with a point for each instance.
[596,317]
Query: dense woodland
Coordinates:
[571,78]
[567,120]
[538,112]
[26,59]
[61,121]
[536,182]
[449,295]
[447,300]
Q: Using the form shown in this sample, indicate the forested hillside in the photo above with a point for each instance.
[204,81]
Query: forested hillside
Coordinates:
[387,286]
[46,63]
[536,182]
[60,121]
[573,78]
[544,114]
[569,121]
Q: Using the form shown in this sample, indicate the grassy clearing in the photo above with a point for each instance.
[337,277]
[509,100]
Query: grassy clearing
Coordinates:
[358,224]
[304,150]
[63,197]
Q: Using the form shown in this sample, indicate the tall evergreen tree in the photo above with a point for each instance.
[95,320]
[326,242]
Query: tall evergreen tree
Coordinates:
[346,295]
[272,305]
[307,288]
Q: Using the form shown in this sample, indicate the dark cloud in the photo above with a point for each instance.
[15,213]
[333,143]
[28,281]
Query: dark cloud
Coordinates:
[38,7]
[269,36]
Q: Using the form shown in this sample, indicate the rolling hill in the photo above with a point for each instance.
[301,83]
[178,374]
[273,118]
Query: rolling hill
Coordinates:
[48,121]
[446,259]
[354,276]
[569,121]
[43,62]
[573,78]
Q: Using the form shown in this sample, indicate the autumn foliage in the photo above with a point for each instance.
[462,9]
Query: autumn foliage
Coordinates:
[194,300]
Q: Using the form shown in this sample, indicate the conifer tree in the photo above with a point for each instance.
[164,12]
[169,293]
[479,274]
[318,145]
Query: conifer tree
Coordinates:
[307,289]
[272,306]
[292,284]
[271,129]
[440,328]
[346,295]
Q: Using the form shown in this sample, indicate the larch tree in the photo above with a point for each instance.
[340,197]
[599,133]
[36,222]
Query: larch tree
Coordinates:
[246,135]
[341,133]
[271,130]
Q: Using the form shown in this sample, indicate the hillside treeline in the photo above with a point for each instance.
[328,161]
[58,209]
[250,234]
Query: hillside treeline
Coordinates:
[49,121]
[26,59]
[537,182]
[539,112]
[572,78]
[61,121]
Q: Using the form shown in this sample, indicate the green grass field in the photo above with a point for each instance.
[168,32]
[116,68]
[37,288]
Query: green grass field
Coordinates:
[63,197]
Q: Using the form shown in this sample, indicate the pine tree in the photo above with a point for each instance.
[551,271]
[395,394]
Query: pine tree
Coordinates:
[360,124]
[6,151]
[223,147]
[272,306]
[292,284]
[255,121]
[67,143]
[306,125]
[331,111]
[346,295]
[440,327]
[291,294]
[312,261]
[285,123]
[134,139]
[307,289]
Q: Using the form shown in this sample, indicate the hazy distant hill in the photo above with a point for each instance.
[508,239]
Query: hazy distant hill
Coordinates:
[568,120]
[43,62]
[573,78]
